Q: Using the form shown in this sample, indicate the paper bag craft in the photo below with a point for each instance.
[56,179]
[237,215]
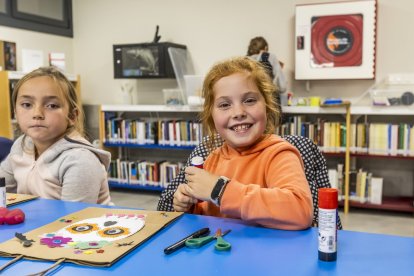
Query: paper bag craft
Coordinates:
[92,236]
[13,199]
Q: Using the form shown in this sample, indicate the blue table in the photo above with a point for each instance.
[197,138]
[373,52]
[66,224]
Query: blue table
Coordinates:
[255,250]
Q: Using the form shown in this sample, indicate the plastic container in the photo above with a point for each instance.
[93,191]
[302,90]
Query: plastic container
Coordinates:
[388,97]
[194,85]
[3,202]
[395,89]
[172,97]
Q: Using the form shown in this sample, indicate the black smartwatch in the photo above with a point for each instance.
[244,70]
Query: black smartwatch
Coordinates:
[218,189]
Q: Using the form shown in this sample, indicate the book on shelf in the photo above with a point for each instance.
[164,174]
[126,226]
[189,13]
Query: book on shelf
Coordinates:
[365,138]
[375,196]
[143,172]
[353,185]
[147,131]
[362,187]
[353,138]
[341,188]
[366,192]
[57,60]
[333,178]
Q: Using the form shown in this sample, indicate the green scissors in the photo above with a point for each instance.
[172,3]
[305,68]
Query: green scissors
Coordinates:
[221,244]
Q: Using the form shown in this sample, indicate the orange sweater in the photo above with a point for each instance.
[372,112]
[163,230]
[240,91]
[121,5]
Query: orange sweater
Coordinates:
[267,187]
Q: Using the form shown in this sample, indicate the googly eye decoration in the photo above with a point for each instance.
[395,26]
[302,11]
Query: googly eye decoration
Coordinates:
[109,228]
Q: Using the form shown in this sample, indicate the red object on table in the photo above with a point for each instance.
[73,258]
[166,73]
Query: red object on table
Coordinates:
[14,216]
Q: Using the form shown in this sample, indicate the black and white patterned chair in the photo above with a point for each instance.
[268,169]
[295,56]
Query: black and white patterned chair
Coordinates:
[315,170]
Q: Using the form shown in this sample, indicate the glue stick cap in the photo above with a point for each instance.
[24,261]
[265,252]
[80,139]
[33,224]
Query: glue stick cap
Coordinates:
[2,182]
[197,161]
[328,198]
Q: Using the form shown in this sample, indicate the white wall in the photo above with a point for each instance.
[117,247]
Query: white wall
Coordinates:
[212,30]
[39,41]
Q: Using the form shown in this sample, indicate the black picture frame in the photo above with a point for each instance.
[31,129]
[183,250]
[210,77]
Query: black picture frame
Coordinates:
[17,19]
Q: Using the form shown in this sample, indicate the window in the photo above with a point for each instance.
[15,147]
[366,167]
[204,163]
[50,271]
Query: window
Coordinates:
[47,16]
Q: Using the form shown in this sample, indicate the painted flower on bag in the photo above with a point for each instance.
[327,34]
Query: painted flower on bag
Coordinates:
[56,241]
[94,233]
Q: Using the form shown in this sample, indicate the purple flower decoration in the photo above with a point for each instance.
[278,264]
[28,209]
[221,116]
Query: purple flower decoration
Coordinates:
[56,241]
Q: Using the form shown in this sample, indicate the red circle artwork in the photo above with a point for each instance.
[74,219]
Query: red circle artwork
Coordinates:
[336,40]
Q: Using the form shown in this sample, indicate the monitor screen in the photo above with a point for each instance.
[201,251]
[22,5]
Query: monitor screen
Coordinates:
[143,60]
[140,61]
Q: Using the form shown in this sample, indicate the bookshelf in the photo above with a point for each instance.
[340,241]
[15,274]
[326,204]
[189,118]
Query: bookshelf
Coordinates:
[352,157]
[149,143]
[7,81]
[393,165]
[347,107]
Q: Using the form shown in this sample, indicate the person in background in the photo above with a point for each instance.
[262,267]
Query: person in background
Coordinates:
[255,175]
[258,49]
[52,159]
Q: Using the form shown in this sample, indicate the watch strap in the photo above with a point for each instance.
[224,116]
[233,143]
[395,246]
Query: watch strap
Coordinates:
[218,189]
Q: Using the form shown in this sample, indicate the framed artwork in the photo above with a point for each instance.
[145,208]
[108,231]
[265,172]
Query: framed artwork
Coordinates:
[336,40]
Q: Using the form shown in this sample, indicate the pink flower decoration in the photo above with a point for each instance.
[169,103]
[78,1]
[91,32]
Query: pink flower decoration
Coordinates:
[56,241]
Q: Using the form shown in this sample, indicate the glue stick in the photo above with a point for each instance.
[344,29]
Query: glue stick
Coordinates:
[328,216]
[2,192]
[197,161]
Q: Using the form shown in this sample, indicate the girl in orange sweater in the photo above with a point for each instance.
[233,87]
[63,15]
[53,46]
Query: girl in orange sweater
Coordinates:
[255,176]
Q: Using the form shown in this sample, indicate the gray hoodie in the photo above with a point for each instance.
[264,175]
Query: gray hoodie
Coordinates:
[71,169]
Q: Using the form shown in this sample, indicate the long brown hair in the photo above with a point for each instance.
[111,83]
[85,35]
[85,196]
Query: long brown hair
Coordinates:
[256,45]
[257,74]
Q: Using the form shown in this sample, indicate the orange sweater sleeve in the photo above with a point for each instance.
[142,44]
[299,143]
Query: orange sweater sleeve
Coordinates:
[285,202]
[268,186]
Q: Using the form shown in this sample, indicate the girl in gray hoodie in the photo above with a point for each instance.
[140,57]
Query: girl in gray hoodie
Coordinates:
[52,159]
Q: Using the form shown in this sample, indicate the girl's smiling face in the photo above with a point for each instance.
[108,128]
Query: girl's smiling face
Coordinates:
[239,111]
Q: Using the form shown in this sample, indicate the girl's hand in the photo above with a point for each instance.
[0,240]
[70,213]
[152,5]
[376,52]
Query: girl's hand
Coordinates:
[182,201]
[200,183]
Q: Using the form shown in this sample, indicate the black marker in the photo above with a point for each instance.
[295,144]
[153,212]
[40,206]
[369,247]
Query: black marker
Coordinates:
[170,249]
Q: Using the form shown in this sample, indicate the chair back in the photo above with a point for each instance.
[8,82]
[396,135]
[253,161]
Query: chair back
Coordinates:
[5,146]
[316,171]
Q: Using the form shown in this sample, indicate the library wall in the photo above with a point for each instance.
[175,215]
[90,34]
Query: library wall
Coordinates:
[46,43]
[213,30]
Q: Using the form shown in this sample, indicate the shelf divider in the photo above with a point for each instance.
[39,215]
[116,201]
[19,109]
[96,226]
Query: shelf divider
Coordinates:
[347,106]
